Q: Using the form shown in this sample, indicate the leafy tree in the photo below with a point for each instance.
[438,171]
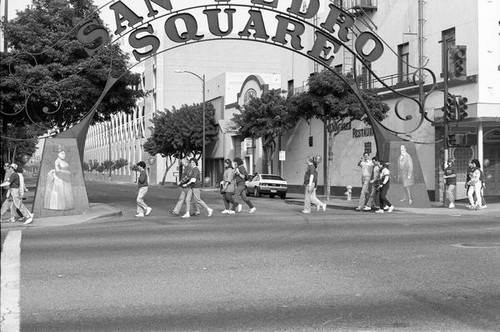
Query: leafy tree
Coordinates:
[267,117]
[108,165]
[331,100]
[178,133]
[47,63]
[120,163]
[22,142]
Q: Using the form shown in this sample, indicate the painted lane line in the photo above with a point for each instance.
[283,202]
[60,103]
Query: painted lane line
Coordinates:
[10,282]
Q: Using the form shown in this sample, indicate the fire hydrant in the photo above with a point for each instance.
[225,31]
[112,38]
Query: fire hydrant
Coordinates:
[349,193]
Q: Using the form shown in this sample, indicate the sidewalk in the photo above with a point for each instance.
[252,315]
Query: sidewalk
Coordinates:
[341,203]
[97,211]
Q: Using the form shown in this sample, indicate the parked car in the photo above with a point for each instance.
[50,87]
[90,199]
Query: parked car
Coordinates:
[267,184]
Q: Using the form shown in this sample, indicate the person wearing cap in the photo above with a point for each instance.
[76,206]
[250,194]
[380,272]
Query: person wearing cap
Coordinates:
[14,183]
[450,182]
[310,183]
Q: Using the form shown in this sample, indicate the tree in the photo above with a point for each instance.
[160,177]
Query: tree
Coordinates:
[47,63]
[331,100]
[178,133]
[267,117]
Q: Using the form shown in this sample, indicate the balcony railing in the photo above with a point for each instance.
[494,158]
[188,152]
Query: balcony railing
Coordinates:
[361,4]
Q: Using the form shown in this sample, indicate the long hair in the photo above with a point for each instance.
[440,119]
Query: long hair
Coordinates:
[476,162]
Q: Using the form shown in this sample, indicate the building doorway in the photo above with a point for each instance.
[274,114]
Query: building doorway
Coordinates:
[491,169]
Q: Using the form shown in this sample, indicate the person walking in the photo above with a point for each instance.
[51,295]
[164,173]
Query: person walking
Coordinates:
[374,200]
[194,192]
[310,183]
[475,185]
[16,196]
[142,182]
[7,171]
[450,182]
[240,174]
[228,187]
[186,170]
[366,173]
[385,180]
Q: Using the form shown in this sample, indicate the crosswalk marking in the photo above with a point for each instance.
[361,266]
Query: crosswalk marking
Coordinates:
[10,282]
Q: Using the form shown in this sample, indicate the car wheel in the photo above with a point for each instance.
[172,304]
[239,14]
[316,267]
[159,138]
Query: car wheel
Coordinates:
[256,192]
[271,195]
[283,196]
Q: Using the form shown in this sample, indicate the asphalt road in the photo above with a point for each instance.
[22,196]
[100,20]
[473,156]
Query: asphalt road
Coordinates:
[275,270]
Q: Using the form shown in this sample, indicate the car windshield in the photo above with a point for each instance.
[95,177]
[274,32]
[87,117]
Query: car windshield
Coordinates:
[271,177]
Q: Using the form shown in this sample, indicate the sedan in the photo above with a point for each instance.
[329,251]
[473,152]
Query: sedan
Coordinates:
[267,184]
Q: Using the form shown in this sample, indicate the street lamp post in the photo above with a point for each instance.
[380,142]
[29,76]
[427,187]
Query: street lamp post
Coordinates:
[202,79]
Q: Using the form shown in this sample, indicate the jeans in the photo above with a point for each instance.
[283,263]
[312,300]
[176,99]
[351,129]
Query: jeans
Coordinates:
[310,197]
[17,203]
[365,190]
[241,191]
[450,193]
[195,194]
[180,201]
[141,206]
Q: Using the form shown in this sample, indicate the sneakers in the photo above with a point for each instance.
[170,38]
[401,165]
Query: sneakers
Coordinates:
[230,212]
[252,210]
[304,211]
[451,206]
[226,211]
[196,214]
[12,219]
[379,211]
[390,209]
[210,211]
[323,207]
[29,220]
[140,215]
[174,213]
[358,208]
[186,216]
[367,208]
[148,211]
[386,208]
[239,208]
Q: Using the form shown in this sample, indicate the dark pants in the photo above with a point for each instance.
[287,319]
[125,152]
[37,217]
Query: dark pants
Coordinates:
[383,196]
[228,199]
[241,191]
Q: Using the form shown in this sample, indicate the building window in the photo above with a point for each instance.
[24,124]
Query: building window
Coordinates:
[403,63]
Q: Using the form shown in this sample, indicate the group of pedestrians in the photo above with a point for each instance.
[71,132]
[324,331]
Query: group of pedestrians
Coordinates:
[15,188]
[233,189]
[375,184]
[474,184]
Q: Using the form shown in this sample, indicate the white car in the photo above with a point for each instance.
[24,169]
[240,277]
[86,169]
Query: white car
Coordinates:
[267,184]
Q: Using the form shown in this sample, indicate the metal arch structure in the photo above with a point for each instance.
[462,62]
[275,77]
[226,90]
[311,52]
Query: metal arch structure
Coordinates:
[383,135]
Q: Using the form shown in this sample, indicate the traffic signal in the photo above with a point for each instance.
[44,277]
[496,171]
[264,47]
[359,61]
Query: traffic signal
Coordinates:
[462,108]
[459,61]
[450,109]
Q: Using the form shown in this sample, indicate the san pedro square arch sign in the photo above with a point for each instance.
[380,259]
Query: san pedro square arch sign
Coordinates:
[274,22]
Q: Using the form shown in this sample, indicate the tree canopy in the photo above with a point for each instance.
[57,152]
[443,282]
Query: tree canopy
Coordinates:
[267,117]
[179,133]
[47,77]
[332,100]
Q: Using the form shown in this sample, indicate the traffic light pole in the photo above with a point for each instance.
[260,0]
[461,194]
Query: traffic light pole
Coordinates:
[445,119]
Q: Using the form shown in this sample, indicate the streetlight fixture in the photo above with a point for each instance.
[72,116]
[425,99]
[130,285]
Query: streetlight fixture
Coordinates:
[202,79]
